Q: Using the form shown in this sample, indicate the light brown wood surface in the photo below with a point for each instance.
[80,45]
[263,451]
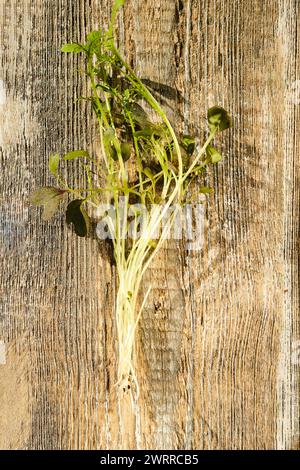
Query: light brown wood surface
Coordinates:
[218,344]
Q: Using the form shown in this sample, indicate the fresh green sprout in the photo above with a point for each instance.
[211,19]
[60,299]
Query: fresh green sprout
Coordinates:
[164,163]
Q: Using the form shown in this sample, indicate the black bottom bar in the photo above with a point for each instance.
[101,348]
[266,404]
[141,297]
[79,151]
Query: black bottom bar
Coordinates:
[132,459]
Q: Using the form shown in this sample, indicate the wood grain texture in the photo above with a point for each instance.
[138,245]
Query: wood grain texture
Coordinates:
[218,346]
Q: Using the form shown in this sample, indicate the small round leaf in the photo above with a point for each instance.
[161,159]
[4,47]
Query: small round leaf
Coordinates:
[77,216]
[213,154]
[125,151]
[218,118]
[189,143]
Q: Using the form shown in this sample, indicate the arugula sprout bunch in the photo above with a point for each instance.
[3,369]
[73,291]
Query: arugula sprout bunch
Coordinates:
[164,166]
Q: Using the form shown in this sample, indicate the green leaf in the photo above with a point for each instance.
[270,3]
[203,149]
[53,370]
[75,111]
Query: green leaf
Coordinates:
[147,171]
[139,115]
[109,138]
[94,36]
[205,190]
[189,143]
[78,217]
[53,163]
[75,154]
[218,118]
[184,156]
[94,44]
[125,151]
[112,152]
[149,131]
[74,47]
[48,197]
[213,154]
[104,87]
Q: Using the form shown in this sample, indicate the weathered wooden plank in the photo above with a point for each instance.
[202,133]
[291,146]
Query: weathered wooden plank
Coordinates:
[54,289]
[288,435]
[217,347]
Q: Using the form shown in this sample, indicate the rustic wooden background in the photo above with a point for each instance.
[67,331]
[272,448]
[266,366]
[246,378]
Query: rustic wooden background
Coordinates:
[218,344]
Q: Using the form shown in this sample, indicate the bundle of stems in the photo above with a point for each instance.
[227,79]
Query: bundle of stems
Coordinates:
[163,166]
